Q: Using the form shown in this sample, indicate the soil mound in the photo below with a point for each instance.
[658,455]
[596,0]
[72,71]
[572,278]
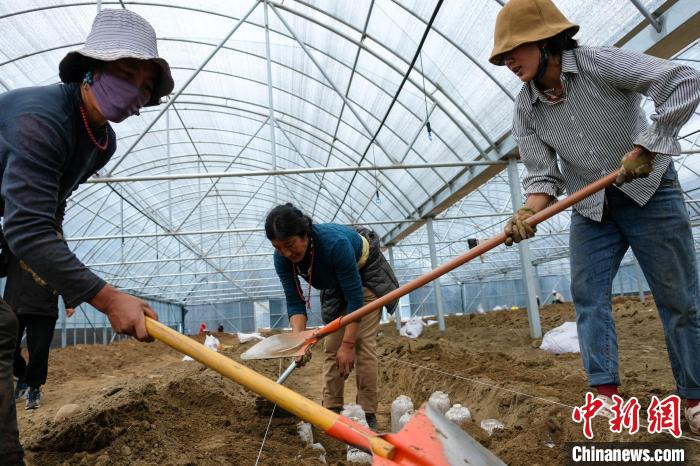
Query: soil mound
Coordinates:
[139,404]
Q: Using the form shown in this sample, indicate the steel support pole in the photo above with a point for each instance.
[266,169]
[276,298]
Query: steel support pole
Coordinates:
[270,101]
[533,312]
[640,284]
[436,283]
[649,17]
[63,326]
[170,182]
[397,312]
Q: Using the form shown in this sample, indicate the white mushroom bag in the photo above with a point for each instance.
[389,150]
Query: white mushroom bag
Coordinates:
[562,339]
[413,328]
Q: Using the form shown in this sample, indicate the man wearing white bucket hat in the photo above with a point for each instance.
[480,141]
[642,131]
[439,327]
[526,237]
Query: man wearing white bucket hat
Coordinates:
[52,139]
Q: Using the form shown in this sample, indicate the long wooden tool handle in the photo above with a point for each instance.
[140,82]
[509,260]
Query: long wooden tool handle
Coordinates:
[486,246]
[338,426]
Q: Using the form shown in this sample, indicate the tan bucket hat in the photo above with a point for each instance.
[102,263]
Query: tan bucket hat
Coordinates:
[119,34]
[523,21]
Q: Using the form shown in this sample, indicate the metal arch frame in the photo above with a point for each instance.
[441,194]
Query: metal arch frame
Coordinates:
[142,212]
[381,59]
[78,200]
[369,113]
[382,124]
[360,46]
[339,150]
[392,192]
[153,216]
[203,165]
[390,65]
[306,76]
[296,127]
[372,81]
[461,49]
[192,258]
[80,203]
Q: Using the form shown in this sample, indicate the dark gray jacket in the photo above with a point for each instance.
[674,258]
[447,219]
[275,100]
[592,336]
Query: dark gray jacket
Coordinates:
[45,154]
[377,275]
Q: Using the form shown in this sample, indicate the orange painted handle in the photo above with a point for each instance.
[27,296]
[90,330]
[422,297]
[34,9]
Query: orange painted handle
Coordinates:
[486,246]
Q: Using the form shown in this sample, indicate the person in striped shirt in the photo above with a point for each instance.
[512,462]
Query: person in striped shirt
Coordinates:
[577,118]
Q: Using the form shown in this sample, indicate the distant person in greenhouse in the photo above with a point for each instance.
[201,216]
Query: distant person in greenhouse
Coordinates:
[347,265]
[52,139]
[557,298]
[582,104]
[36,306]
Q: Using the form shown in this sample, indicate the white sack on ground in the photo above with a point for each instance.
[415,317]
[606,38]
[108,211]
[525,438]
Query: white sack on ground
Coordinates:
[413,328]
[563,339]
[212,342]
[246,337]
[400,406]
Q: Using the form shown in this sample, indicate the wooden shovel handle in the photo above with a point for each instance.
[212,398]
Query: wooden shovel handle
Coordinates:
[332,423]
[480,249]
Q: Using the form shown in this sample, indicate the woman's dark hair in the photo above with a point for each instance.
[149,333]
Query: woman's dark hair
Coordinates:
[76,73]
[562,41]
[285,221]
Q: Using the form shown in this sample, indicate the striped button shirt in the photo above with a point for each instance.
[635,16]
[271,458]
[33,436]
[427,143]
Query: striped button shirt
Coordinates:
[600,119]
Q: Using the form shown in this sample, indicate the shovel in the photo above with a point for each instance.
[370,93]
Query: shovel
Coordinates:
[427,440]
[297,344]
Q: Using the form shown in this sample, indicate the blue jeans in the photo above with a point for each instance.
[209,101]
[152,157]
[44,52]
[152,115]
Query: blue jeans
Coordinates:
[661,239]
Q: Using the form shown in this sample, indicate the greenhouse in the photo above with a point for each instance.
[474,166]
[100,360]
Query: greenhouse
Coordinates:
[389,121]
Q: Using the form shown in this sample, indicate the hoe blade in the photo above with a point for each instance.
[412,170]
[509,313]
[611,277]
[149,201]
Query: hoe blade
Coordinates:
[283,345]
[430,439]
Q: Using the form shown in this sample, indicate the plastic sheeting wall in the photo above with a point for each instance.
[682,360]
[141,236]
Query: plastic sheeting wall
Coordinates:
[237,316]
[90,326]
[507,293]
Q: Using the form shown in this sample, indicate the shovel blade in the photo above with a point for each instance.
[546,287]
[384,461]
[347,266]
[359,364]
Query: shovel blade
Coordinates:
[430,439]
[283,345]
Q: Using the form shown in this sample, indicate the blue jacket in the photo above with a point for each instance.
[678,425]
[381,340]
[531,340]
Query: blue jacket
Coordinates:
[45,153]
[337,249]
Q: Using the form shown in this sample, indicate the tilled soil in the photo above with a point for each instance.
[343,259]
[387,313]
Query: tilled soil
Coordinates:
[139,404]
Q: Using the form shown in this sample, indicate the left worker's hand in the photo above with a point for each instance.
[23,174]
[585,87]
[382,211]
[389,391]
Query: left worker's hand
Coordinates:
[345,358]
[637,163]
[69,312]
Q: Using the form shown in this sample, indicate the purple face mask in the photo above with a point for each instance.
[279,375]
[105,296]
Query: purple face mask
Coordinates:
[117,98]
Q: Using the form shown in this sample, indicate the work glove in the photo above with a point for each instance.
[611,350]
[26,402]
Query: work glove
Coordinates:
[517,229]
[637,163]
